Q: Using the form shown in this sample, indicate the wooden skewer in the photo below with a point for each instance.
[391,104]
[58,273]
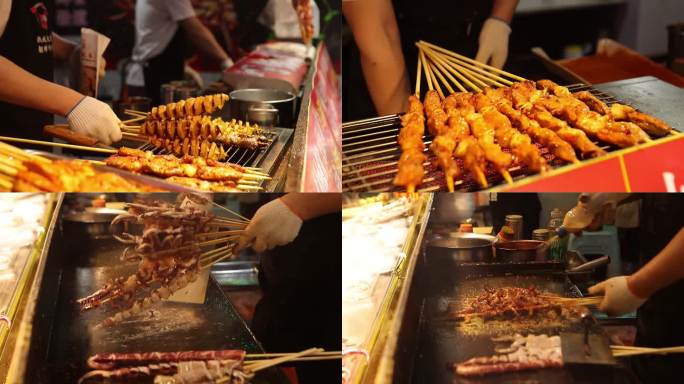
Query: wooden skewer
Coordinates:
[431,76]
[462,65]
[60,145]
[206,265]
[308,358]
[20,154]
[220,233]
[482,78]
[441,62]
[418,77]
[623,352]
[244,219]
[436,69]
[446,72]
[268,355]
[475,62]
[272,362]
[133,112]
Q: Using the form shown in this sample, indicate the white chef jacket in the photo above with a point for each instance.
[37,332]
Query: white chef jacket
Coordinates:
[281,17]
[156,22]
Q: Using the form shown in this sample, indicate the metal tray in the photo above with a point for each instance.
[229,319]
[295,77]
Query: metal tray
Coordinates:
[149,181]
[63,338]
[429,342]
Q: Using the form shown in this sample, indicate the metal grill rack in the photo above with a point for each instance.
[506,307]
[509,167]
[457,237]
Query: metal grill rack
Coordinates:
[371,152]
[241,156]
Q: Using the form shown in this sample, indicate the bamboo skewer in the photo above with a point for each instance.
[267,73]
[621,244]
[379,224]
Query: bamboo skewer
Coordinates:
[273,362]
[591,300]
[472,61]
[60,145]
[269,355]
[625,351]
[438,61]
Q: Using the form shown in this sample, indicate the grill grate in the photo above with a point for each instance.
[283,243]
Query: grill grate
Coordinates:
[241,156]
[370,155]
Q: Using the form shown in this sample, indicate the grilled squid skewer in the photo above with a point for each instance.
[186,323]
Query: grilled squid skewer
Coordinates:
[203,105]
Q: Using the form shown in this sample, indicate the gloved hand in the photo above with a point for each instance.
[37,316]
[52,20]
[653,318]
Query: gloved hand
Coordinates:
[194,75]
[493,48]
[227,63]
[618,298]
[274,224]
[94,118]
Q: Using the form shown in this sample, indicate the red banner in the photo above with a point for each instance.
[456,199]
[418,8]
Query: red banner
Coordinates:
[653,167]
[323,157]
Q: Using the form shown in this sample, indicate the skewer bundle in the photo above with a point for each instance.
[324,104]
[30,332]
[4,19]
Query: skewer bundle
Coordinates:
[171,250]
[488,115]
[186,128]
[21,171]
[194,172]
[220,366]
[24,172]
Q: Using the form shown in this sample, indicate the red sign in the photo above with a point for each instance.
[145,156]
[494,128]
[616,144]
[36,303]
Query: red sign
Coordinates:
[659,168]
[653,167]
[323,157]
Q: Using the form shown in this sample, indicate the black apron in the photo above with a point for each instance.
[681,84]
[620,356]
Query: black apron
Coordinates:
[27,42]
[454,25]
[659,320]
[166,67]
[301,303]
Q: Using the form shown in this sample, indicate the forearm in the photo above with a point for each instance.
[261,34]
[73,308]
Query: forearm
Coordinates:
[62,48]
[20,87]
[664,269]
[203,39]
[376,34]
[504,9]
[311,205]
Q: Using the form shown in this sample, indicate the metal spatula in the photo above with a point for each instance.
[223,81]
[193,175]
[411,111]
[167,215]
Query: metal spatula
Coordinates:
[586,348]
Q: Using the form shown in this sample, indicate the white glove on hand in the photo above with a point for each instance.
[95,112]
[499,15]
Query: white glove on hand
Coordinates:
[274,224]
[227,63]
[618,298]
[494,43]
[194,75]
[93,118]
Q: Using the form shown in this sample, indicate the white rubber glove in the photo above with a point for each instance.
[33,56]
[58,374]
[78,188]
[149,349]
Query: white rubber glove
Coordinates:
[93,118]
[618,298]
[194,75]
[493,48]
[273,224]
[227,63]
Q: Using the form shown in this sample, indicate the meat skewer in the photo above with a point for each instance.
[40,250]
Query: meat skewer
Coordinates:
[623,134]
[519,143]
[524,353]
[620,112]
[232,133]
[410,166]
[468,149]
[168,253]
[445,140]
[483,132]
[546,137]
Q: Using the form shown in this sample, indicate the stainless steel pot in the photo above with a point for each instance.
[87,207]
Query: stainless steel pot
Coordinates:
[93,223]
[520,250]
[463,247]
[266,107]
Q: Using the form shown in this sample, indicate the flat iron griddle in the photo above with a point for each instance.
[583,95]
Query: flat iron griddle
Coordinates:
[63,338]
[429,342]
